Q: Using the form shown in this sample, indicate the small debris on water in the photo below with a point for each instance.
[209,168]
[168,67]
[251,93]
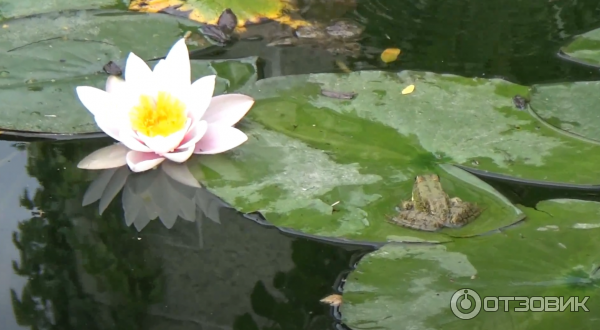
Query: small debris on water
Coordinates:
[390,55]
[112,69]
[409,89]
[338,95]
[332,300]
[334,204]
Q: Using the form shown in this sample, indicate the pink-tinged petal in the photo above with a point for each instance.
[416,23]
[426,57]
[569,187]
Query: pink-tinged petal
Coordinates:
[194,135]
[164,144]
[180,155]
[107,157]
[143,161]
[219,138]
[129,139]
[228,109]
[200,96]
[97,101]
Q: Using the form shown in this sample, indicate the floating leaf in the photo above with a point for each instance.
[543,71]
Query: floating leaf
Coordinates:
[451,119]
[14,8]
[390,55]
[43,58]
[410,286]
[409,89]
[571,107]
[584,48]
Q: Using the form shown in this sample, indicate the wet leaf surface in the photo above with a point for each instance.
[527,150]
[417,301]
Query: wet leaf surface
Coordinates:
[45,57]
[550,254]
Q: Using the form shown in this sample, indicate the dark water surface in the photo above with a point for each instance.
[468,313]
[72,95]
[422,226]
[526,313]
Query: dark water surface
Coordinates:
[63,266]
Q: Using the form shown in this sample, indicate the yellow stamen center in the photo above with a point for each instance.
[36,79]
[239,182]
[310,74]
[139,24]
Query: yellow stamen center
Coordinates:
[163,116]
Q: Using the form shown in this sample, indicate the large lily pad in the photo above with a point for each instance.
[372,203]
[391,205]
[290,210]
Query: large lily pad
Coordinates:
[584,48]
[43,58]
[468,121]
[13,8]
[571,107]
[344,191]
[410,287]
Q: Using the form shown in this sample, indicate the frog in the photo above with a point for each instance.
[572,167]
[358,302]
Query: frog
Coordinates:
[431,209]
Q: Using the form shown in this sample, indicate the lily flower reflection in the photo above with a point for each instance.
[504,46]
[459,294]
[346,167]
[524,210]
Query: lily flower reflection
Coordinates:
[169,192]
[158,114]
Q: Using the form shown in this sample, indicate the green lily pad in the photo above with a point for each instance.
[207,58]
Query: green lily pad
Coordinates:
[448,119]
[584,48]
[13,8]
[571,107]
[43,58]
[339,194]
[552,254]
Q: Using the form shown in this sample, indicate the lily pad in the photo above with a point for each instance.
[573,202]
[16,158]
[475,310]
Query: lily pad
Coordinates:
[447,119]
[572,107]
[410,287]
[584,48]
[339,192]
[13,8]
[43,58]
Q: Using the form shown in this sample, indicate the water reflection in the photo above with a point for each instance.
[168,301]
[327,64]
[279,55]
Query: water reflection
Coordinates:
[168,192]
[86,270]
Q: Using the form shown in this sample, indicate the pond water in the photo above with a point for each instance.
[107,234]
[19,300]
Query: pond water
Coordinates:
[65,266]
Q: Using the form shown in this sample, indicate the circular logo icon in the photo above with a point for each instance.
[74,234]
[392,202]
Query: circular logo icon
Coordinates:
[465,304]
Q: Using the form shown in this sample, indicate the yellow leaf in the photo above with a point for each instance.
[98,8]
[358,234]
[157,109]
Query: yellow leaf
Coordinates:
[409,89]
[332,300]
[390,55]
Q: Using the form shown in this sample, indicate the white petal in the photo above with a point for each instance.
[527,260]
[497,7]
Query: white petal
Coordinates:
[161,144]
[107,157]
[194,135]
[115,84]
[112,128]
[129,139]
[178,60]
[199,97]
[97,101]
[228,109]
[181,155]
[219,138]
[142,161]
[139,76]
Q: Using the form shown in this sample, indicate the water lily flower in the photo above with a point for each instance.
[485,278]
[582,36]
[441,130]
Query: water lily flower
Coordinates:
[159,114]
